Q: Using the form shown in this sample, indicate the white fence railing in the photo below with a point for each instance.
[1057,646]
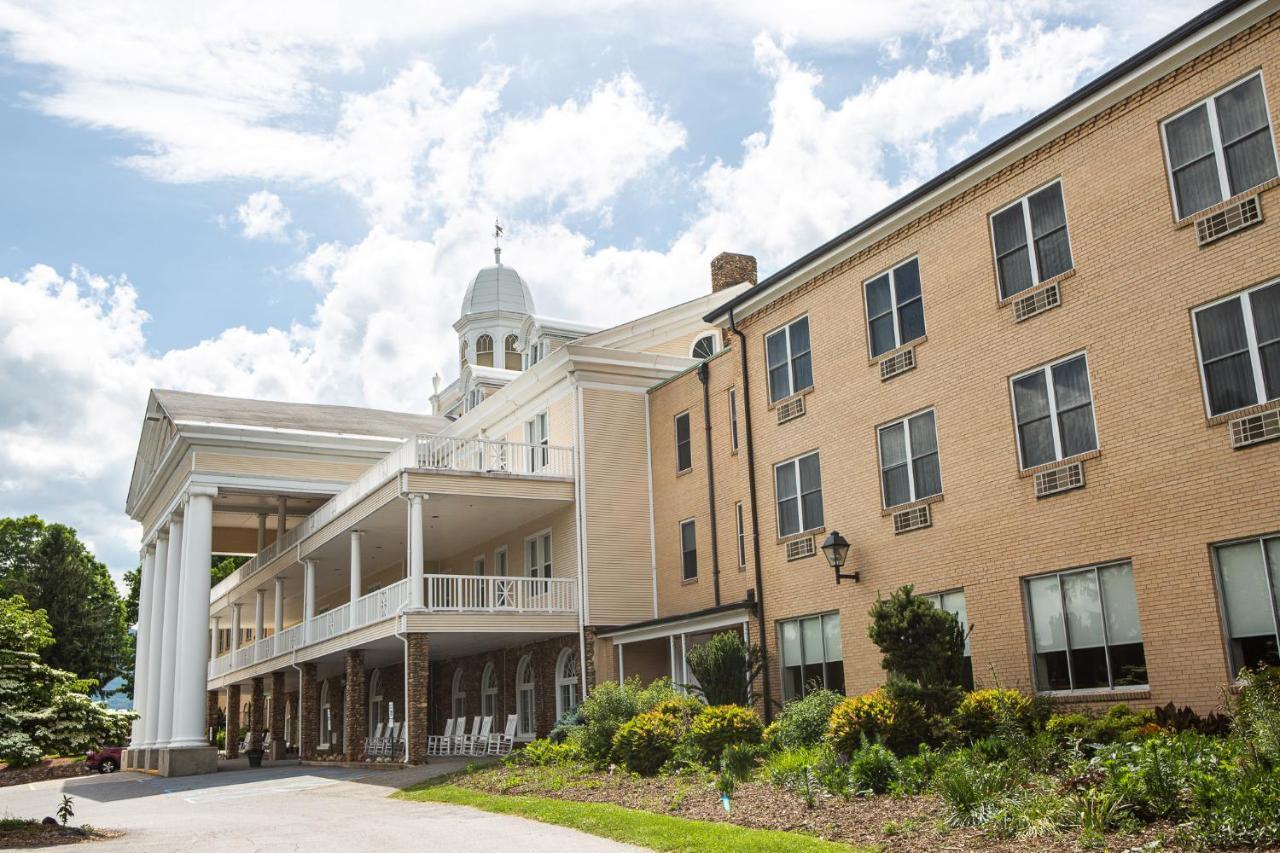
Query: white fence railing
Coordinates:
[329,624]
[486,456]
[288,639]
[477,594]
[243,656]
[219,666]
[381,603]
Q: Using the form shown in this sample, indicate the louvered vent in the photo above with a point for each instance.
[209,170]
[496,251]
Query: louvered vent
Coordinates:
[1255,429]
[800,548]
[1234,218]
[912,519]
[896,364]
[1057,480]
[1037,303]
[791,410]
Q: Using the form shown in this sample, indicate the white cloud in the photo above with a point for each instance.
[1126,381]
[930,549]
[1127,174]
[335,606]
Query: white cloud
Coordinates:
[264,216]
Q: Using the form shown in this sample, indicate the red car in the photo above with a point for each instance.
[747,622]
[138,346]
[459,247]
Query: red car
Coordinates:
[105,760]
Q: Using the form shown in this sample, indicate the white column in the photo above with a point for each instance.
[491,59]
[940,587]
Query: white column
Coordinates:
[236,626]
[169,658]
[216,637]
[356,584]
[279,614]
[262,531]
[415,551]
[146,575]
[259,614]
[155,630]
[282,509]
[193,651]
[308,596]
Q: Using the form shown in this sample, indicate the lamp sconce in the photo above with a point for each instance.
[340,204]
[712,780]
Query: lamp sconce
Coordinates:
[836,549]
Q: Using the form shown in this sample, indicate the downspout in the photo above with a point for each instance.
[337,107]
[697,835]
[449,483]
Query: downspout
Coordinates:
[703,376]
[755,516]
[301,702]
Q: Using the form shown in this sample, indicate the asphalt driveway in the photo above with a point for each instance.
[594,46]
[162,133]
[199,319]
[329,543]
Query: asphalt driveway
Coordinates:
[287,808]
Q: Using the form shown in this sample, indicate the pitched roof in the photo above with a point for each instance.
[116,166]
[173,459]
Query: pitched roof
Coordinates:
[308,417]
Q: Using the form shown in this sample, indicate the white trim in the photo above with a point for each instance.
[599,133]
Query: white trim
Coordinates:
[566,653]
[489,674]
[785,330]
[715,345]
[732,394]
[694,625]
[1047,370]
[777,514]
[544,555]
[1251,339]
[893,305]
[653,538]
[740,535]
[905,422]
[458,693]
[680,542]
[525,664]
[1033,258]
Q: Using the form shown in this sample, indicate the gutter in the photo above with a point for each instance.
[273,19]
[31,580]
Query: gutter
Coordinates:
[703,377]
[755,516]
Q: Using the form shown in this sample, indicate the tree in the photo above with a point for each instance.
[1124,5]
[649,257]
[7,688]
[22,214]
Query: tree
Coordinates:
[50,567]
[923,649]
[726,668]
[224,567]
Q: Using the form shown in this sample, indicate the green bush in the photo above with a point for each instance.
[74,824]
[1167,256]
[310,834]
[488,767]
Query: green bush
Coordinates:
[610,705]
[723,725]
[1257,712]
[804,722]
[971,788]
[683,708]
[873,769]
[923,648]
[1119,724]
[870,716]
[725,667]
[982,713]
[1240,809]
[644,743]
[545,752]
[1157,776]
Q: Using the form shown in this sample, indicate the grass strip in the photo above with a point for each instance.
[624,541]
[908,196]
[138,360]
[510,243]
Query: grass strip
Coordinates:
[631,826]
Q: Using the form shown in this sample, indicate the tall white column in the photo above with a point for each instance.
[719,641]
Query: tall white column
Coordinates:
[308,595]
[236,627]
[216,642]
[193,650]
[146,576]
[279,614]
[356,582]
[155,646]
[169,657]
[415,551]
[259,614]
[282,517]
[262,531]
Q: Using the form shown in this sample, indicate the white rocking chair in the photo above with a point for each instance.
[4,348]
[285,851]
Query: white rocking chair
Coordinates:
[477,744]
[460,736]
[441,744]
[502,744]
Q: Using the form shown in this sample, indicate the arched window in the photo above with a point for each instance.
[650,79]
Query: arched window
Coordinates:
[489,691]
[526,724]
[511,353]
[459,694]
[704,347]
[484,351]
[289,739]
[377,708]
[326,717]
[566,681]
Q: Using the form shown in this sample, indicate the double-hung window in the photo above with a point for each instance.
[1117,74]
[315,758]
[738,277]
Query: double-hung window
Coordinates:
[741,535]
[1085,629]
[1023,262]
[953,602]
[1238,340]
[1249,575]
[789,361]
[733,419]
[688,550]
[538,555]
[909,468]
[1053,408]
[684,443]
[535,435]
[798,490]
[812,655]
[1220,147]
[895,309]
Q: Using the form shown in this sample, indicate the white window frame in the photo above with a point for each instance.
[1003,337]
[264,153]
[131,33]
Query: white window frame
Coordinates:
[785,330]
[799,621]
[684,575]
[733,419]
[1047,369]
[526,703]
[892,272]
[935,598]
[911,469]
[478,351]
[1224,180]
[562,681]
[537,435]
[458,694]
[805,527]
[489,691]
[501,562]
[543,567]
[377,705]
[326,718]
[1251,338]
[1261,542]
[715,345]
[741,535]
[675,428]
[1032,257]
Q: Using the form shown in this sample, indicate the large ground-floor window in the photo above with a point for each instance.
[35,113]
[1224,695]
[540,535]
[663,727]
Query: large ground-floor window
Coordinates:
[526,720]
[812,655]
[952,601]
[566,682]
[1249,574]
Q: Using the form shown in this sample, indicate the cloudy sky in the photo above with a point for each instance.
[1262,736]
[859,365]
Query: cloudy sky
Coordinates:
[287,199]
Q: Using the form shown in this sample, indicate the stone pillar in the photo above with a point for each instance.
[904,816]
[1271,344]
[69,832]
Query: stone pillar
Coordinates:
[356,583]
[587,679]
[282,508]
[415,551]
[355,707]
[308,713]
[257,714]
[277,716]
[155,629]
[259,614]
[233,721]
[262,531]
[193,622]
[211,714]
[169,660]
[141,658]
[418,687]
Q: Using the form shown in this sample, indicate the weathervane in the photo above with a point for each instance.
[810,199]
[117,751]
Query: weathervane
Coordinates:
[497,242]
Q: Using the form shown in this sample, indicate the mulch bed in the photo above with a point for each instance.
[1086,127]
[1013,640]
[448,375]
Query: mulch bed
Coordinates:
[888,823]
[22,834]
[50,768]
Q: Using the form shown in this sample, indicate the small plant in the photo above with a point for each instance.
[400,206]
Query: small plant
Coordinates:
[65,810]
[873,769]
[645,743]
[608,706]
[545,752]
[916,772]
[1257,712]
[726,668]
[803,722]
[720,726]
[982,713]
[1101,810]
[970,787]
[1184,719]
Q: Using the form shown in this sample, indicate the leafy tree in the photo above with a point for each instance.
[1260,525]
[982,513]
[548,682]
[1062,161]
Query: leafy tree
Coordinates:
[225,566]
[923,649]
[22,629]
[50,567]
[726,668]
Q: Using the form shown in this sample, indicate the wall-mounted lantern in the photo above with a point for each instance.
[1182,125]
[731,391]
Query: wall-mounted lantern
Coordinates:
[836,549]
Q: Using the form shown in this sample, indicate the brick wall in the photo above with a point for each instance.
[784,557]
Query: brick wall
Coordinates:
[257,714]
[276,725]
[356,706]
[418,681]
[309,713]
[233,721]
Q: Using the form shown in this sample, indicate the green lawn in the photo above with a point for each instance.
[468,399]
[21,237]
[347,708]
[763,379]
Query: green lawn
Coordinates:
[646,829]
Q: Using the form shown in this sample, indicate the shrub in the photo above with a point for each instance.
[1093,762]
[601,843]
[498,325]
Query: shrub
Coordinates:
[803,722]
[970,787]
[736,764]
[982,713]
[725,667]
[1184,719]
[720,726]
[1157,776]
[683,708]
[1118,725]
[923,648]
[1035,809]
[786,768]
[545,752]
[1240,809]
[1257,712]
[610,705]
[565,726]
[916,772]
[869,716]
[644,743]
[873,769]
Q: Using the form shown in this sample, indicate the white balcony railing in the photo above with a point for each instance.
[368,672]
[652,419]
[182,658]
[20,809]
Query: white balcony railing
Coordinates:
[329,624]
[380,604]
[288,639]
[219,666]
[476,594]
[243,657]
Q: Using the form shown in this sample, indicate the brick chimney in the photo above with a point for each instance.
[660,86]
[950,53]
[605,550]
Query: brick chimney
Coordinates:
[730,268]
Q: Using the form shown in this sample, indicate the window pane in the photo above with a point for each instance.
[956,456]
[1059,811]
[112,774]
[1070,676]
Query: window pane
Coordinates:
[893,445]
[1265,304]
[1230,382]
[1244,586]
[1241,110]
[1046,615]
[1053,254]
[799,336]
[785,480]
[811,632]
[1076,431]
[790,643]
[776,346]
[1084,610]
[1015,274]
[1121,601]
[878,301]
[1197,186]
[779,383]
[810,473]
[896,488]
[1009,229]
[1221,330]
[882,335]
[906,281]
[688,537]
[1036,440]
[953,603]
[923,439]
[1270,356]
[788,516]
[1030,397]
[802,369]
[1071,383]
[831,637]
[928,476]
[1047,211]
[911,321]
[1188,137]
[812,504]
[1250,162]
[682,428]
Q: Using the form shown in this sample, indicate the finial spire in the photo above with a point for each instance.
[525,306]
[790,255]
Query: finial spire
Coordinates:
[497,242]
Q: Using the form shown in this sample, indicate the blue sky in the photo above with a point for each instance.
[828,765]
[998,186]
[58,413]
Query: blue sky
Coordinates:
[286,200]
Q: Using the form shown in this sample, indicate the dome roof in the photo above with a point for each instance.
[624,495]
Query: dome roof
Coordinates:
[497,288]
